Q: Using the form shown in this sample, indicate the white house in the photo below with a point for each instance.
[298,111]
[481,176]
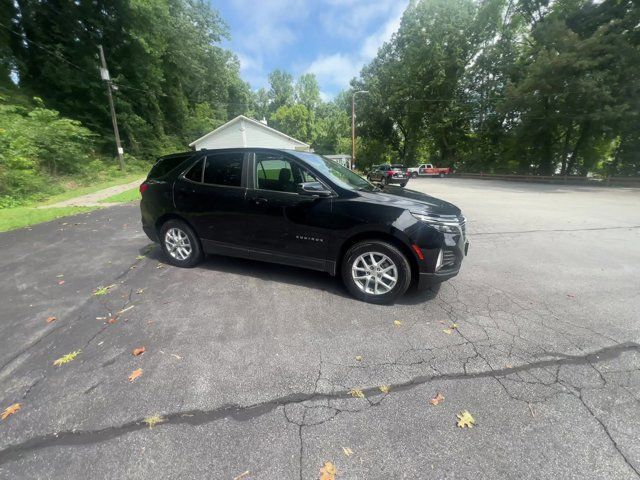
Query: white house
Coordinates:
[246,132]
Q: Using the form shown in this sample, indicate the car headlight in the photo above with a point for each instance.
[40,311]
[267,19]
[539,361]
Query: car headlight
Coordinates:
[438,224]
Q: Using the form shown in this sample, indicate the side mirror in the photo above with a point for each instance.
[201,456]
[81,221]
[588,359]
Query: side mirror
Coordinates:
[313,189]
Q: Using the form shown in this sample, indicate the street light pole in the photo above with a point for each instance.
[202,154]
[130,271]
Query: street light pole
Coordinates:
[353,125]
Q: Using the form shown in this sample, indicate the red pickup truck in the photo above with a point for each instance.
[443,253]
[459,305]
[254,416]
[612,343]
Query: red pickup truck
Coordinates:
[428,170]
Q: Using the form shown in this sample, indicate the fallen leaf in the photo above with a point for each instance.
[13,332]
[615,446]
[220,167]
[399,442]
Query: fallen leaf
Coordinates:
[347,451]
[102,290]
[51,319]
[242,475]
[135,374]
[61,282]
[359,358]
[112,320]
[10,410]
[160,265]
[154,420]
[140,291]
[138,351]
[66,358]
[448,331]
[397,323]
[465,419]
[454,326]
[328,471]
[439,398]
[384,388]
[355,393]
[60,276]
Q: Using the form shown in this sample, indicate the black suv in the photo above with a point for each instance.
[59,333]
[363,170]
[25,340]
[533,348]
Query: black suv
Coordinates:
[386,174]
[301,209]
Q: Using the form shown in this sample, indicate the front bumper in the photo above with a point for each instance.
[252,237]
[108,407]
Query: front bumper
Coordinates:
[454,248]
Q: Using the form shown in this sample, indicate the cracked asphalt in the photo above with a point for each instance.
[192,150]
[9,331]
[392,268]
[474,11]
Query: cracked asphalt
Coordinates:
[249,365]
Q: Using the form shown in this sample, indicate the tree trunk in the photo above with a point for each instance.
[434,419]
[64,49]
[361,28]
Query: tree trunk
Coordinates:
[565,148]
[582,138]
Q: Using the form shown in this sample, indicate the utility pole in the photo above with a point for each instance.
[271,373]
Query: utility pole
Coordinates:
[104,74]
[353,125]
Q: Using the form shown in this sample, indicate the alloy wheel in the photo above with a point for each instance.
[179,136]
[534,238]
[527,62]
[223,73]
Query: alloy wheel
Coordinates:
[374,273]
[178,244]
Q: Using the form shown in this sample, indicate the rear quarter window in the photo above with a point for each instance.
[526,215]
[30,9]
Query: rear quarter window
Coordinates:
[165,165]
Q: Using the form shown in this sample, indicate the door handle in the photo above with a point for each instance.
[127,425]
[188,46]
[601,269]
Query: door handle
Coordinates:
[261,201]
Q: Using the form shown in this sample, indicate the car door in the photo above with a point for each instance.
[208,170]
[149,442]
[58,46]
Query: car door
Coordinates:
[285,226]
[211,197]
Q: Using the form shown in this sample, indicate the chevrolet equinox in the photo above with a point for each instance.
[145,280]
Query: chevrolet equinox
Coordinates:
[298,208]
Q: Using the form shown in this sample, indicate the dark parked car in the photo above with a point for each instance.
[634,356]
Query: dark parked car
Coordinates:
[301,209]
[386,174]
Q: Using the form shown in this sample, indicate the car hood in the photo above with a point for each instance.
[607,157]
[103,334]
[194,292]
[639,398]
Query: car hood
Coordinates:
[411,200]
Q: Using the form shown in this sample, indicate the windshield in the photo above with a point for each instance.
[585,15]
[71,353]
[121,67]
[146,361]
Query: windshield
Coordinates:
[336,172]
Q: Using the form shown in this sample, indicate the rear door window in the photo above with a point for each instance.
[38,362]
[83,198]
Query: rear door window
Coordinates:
[224,169]
[166,165]
[195,173]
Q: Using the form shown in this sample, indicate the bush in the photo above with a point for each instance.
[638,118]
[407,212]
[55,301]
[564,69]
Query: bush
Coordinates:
[40,151]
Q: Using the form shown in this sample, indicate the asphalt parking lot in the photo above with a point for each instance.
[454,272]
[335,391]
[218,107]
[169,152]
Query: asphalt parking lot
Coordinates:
[248,367]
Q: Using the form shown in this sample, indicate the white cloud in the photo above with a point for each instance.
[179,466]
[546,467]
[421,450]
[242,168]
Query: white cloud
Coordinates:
[270,23]
[337,69]
[334,70]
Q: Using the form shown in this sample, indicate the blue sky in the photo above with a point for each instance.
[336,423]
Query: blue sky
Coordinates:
[331,38]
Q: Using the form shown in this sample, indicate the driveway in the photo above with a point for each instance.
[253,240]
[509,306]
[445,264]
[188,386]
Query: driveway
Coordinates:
[250,369]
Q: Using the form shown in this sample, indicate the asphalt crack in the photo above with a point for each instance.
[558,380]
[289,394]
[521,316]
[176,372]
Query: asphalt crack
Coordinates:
[246,413]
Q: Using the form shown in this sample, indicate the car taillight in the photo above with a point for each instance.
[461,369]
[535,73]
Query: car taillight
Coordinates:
[143,187]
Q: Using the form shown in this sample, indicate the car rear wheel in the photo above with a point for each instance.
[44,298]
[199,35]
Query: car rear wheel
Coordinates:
[375,271]
[180,244]
[441,175]
[383,181]
[403,184]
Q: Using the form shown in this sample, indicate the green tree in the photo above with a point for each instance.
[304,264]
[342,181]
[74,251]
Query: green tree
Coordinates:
[293,120]
[281,91]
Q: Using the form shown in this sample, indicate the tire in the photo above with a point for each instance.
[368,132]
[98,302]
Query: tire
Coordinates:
[441,175]
[404,184]
[386,255]
[414,174]
[173,231]
[383,181]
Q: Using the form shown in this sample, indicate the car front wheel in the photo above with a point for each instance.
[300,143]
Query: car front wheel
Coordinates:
[375,271]
[414,175]
[180,244]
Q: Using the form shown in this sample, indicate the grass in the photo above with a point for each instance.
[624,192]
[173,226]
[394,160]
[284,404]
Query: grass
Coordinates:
[126,196]
[18,217]
[78,191]
[23,216]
